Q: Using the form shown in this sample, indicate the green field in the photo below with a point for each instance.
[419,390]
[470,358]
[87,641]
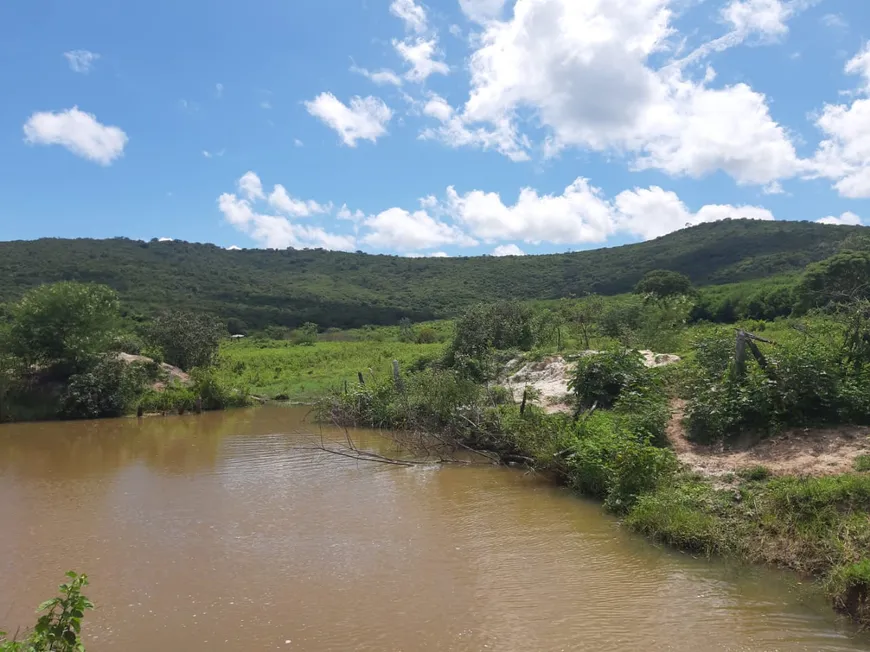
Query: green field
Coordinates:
[271,368]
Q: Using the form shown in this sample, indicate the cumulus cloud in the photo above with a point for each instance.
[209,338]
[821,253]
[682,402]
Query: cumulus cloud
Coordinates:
[421,55]
[767,17]
[365,118]
[584,71]
[281,201]
[277,231]
[583,214]
[81,61]
[79,132]
[580,214]
[412,14]
[844,153]
[482,10]
[508,250]
[653,212]
[398,229]
[846,219]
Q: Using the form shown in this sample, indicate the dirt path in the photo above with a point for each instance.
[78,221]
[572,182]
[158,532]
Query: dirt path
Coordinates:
[815,452]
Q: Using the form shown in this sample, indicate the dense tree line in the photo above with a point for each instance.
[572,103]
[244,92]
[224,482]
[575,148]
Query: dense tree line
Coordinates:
[288,288]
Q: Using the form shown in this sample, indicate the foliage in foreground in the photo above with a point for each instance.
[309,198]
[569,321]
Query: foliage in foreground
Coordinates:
[59,627]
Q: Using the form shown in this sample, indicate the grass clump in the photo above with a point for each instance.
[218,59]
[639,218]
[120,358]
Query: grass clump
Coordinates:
[680,518]
[862,463]
[849,589]
[755,473]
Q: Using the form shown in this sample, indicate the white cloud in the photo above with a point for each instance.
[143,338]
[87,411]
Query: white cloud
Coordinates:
[344,213]
[81,61]
[438,108]
[584,71]
[582,214]
[165,240]
[508,250]
[207,154]
[234,248]
[219,90]
[653,212]
[413,15]
[298,143]
[844,153]
[434,254]
[579,214]
[384,77]
[846,219]
[397,229]
[860,65]
[266,105]
[251,186]
[420,55]
[454,131]
[767,17]
[365,118]
[274,231]
[834,21]
[482,10]
[79,132]
[281,201]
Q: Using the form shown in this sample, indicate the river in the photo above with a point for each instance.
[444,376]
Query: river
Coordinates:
[222,532]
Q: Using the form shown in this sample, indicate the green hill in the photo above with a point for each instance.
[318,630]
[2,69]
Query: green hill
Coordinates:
[346,290]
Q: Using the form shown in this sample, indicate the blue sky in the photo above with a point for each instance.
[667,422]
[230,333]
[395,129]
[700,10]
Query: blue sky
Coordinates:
[448,127]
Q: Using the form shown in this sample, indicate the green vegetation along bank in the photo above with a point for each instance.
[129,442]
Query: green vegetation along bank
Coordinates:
[346,290]
[615,443]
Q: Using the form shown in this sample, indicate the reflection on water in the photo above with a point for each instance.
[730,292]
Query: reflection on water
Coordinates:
[217,532]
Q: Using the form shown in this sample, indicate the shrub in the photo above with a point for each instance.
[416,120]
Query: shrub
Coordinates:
[305,335]
[611,463]
[59,628]
[481,329]
[187,340]
[64,325]
[601,377]
[427,335]
[109,389]
[215,394]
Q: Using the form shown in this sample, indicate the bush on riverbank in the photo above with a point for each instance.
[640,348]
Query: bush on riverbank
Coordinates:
[812,378]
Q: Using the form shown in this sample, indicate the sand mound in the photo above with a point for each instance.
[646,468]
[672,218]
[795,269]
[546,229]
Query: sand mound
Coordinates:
[173,373]
[549,377]
[811,451]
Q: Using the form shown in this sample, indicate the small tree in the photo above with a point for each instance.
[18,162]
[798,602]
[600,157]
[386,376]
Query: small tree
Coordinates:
[585,315]
[187,340]
[64,325]
[664,284]
[307,334]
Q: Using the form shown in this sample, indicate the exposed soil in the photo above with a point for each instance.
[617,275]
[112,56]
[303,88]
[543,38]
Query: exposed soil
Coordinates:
[173,373]
[549,377]
[811,451]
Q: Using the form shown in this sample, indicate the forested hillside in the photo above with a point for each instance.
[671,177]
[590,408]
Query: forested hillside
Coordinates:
[345,290]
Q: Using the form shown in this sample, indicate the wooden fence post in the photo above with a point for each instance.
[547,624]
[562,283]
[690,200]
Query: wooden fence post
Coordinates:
[397,377]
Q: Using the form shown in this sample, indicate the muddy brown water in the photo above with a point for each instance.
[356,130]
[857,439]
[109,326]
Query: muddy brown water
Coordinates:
[216,532]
